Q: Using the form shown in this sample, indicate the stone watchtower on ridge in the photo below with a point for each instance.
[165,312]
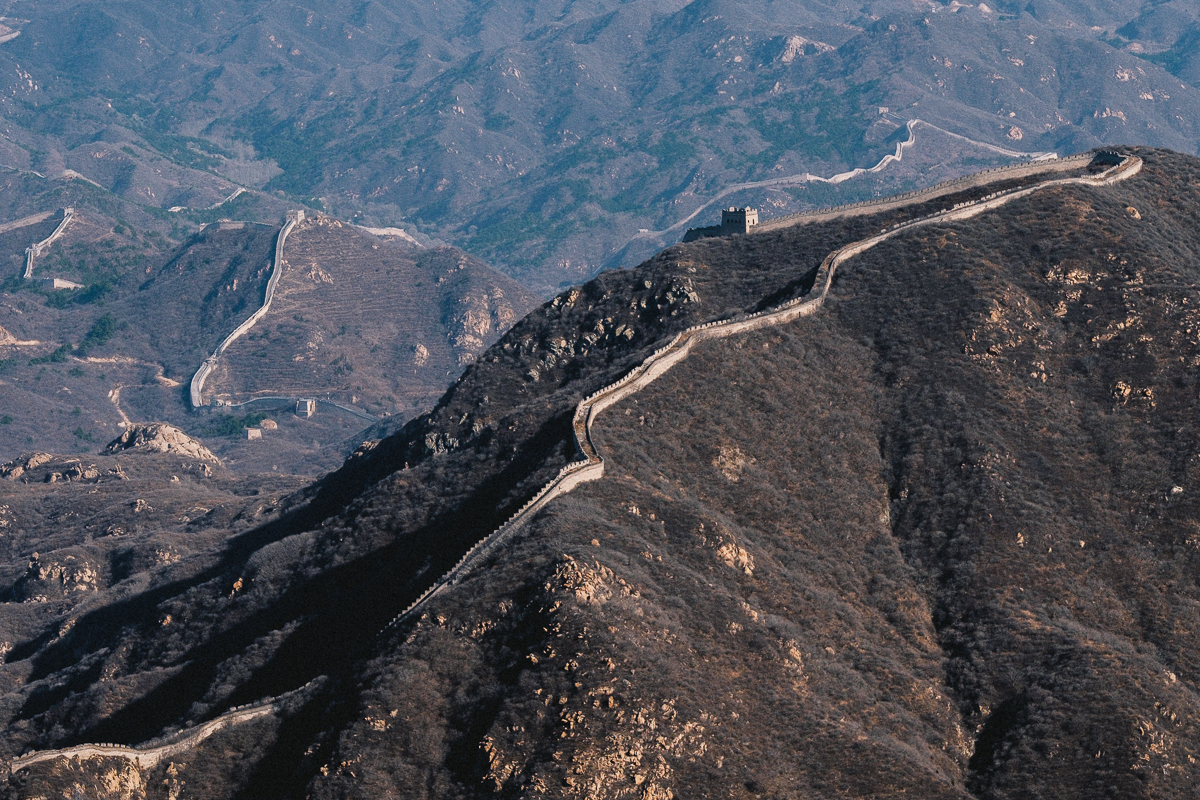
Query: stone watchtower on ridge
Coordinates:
[733,221]
[738,220]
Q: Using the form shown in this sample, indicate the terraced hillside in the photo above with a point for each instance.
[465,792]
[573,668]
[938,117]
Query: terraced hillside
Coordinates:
[120,347]
[76,365]
[209,285]
[372,323]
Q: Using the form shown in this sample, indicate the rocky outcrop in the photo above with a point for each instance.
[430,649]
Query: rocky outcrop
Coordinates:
[19,466]
[159,437]
[56,577]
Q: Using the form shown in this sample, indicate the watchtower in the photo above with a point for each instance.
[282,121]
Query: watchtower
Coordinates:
[738,220]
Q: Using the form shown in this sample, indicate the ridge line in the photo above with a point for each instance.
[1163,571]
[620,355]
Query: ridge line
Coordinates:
[591,468]
[196,389]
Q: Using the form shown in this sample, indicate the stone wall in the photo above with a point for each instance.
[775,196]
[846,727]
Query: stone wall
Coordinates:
[590,467]
[922,195]
[35,251]
[196,389]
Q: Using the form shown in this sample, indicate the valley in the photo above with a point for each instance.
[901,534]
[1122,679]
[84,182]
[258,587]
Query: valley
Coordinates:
[544,141]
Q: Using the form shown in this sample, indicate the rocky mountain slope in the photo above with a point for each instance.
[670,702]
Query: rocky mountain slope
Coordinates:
[944,526]
[544,137]
[370,322]
[379,324]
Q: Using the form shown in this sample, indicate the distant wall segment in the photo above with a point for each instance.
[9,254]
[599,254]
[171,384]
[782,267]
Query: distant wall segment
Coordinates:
[923,195]
[34,251]
[196,390]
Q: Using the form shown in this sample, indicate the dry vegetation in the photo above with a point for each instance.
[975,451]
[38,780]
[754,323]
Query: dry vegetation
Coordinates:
[938,540]
[369,322]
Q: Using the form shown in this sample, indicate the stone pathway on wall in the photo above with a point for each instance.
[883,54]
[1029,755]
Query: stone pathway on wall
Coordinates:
[196,390]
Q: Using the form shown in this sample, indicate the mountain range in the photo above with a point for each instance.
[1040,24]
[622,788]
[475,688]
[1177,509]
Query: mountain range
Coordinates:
[544,138]
[366,430]
[912,489]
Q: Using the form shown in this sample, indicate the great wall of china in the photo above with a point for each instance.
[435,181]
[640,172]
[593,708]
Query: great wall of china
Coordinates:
[591,465]
[1033,159]
[922,195]
[34,251]
[196,388]
[274,398]
[236,194]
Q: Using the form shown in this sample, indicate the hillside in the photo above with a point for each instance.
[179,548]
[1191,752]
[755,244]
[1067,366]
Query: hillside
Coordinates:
[942,525]
[370,323]
[545,137]
[77,365]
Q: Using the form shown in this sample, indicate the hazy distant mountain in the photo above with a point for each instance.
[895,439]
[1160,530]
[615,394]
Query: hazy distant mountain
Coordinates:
[544,136]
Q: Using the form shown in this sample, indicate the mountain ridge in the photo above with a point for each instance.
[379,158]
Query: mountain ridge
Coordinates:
[599,120]
[739,552]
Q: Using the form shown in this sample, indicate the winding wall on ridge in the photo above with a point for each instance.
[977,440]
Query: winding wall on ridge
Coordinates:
[35,250]
[921,195]
[591,465]
[196,388]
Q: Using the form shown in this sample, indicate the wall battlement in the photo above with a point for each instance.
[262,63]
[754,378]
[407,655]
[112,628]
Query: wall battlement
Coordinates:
[738,220]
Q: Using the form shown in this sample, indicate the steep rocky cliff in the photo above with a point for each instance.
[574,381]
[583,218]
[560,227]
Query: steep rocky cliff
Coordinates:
[937,539]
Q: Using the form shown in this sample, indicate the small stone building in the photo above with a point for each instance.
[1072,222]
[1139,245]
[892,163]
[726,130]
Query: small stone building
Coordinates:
[60,283]
[306,408]
[253,433]
[738,220]
[733,221]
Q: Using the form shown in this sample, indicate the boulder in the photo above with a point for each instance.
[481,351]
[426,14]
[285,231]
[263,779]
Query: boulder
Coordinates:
[19,466]
[159,437]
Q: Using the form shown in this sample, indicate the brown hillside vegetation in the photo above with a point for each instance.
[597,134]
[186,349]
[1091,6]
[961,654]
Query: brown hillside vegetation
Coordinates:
[385,337]
[369,322]
[938,540]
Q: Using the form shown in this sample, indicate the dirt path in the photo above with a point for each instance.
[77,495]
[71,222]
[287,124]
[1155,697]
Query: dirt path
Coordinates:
[115,397]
